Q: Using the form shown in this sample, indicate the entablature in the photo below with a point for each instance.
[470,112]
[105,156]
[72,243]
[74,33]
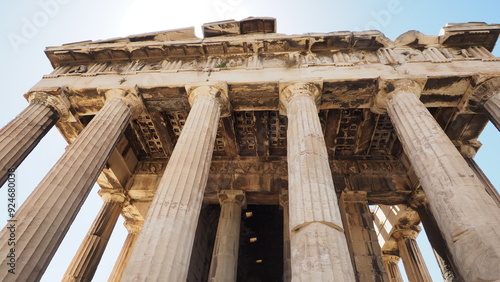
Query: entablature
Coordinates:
[250,146]
[228,39]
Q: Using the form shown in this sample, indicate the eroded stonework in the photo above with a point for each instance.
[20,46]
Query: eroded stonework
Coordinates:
[322,118]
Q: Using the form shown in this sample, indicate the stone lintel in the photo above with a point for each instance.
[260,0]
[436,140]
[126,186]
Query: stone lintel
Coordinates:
[55,97]
[232,195]
[389,86]
[355,196]
[128,94]
[217,90]
[290,89]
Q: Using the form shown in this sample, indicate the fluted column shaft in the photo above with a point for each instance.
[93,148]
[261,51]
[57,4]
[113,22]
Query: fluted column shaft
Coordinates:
[490,189]
[361,237]
[466,215]
[45,217]
[443,255]
[392,268]
[88,256]
[318,245]
[414,263]
[163,249]
[22,134]
[287,267]
[486,96]
[492,106]
[128,246]
[223,267]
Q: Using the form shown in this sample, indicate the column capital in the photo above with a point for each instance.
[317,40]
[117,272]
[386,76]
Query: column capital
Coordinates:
[217,90]
[232,195]
[417,199]
[403,232]
[389,86]
[129,95]
[391,258]
[486,87]
[133,226]
[112,195]
[469,150]
[52,97]
[290,89]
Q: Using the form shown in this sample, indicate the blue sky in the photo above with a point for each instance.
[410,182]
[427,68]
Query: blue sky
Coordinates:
[27,27]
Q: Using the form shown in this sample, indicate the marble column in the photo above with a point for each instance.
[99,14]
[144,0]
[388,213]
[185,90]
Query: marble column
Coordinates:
[224,264]
[492,107]
[318,245]
[133,228]
[361,237]
[20,136]
[88,256]
[466,215]
[487,95]
[419,202]
[392,268]
[287,267]
[414,263]
[490,189]
[43,220]
[163,249]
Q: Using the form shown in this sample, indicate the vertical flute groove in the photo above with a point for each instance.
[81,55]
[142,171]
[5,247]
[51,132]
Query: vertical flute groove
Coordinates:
[414,264]
[492,106]
[123,257]
[318,245]
[45,217]
[22,134]
[164,246]
[466,215]
[223,267]
[88,256]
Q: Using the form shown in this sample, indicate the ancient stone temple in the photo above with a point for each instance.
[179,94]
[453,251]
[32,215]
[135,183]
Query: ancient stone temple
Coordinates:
[249,155]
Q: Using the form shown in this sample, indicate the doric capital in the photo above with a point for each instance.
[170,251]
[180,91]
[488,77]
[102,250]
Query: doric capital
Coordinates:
[403,232]
[290,89]
[417,199]
[469,150]
[485,89]
[283,198]
[237,196]
[129,95]
[390,258]
[112,195]
[55,98]
[388,87]
[133,226]
[216,90]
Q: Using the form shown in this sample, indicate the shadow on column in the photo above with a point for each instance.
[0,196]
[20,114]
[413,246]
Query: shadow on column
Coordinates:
[203,245]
